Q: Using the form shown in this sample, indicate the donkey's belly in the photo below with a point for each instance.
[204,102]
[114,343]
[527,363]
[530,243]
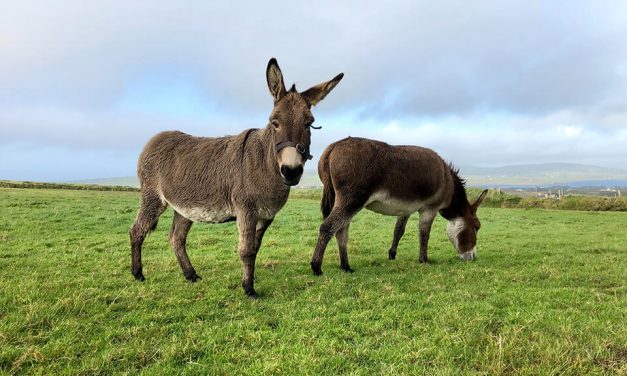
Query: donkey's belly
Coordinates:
[200,214]
[381,202]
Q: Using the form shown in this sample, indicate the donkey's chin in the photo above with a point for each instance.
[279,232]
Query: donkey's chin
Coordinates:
[291,182]
[468,256]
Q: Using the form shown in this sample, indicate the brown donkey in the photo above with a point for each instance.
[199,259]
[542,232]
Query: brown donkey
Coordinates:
[392,180]
[243,178]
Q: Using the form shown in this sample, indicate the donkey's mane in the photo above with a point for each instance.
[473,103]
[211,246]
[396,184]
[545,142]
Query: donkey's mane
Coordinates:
[456,177]
[459,201]
[293,89]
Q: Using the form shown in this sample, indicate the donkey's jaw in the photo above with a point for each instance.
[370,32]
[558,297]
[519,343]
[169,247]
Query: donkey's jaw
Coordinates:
[469,256]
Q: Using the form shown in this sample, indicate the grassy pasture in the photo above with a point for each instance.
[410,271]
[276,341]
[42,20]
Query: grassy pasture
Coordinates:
[546,295]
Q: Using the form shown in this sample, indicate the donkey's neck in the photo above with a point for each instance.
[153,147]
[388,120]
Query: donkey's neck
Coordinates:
[459,201]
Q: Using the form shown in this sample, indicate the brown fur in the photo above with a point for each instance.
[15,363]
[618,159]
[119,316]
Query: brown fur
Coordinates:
[358,172]
[222,179]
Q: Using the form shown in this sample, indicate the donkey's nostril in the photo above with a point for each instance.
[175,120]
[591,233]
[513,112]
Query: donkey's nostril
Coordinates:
[291,173]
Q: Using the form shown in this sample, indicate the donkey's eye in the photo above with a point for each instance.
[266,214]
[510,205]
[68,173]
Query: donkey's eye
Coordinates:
[275,123]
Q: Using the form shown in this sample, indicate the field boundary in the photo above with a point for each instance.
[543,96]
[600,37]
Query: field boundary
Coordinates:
[494,199]
[76,187]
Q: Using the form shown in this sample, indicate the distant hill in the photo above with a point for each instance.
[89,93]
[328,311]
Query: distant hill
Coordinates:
[129,181]
[546,174]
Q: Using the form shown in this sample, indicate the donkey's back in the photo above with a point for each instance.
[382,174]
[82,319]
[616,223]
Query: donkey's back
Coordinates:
[181,167]
[392,180]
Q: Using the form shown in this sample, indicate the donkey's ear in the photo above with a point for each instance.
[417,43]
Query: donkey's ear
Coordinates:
[275,80]
[317,93]
[480,199]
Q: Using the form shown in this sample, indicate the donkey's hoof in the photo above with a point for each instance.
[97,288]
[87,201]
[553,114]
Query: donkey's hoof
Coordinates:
[316,268]
[347,269]
[139,276]
[251,293]
[423,260]
[392,255]
[192,277]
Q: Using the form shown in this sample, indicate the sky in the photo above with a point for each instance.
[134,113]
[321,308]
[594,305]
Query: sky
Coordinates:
[84,85]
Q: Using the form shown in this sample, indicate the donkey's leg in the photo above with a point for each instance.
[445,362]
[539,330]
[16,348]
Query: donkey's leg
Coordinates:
[178,237]
[262,226]
[399,230]
[150,210]
[339,218]
[247,226]
[424,229]
[342,241]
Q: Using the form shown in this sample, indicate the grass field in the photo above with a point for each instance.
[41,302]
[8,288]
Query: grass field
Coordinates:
[545,296]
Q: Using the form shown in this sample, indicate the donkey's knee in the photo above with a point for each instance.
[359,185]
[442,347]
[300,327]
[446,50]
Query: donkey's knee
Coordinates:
[326,230]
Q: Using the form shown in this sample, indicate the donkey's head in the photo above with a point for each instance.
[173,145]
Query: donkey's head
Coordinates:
[291,121]
[462,231]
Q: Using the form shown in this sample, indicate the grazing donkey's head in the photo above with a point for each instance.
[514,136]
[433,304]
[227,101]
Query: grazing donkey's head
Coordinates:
[291,121]
[462,230]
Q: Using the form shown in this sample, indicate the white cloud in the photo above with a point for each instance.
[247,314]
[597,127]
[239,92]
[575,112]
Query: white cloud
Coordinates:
[495,83]
[570,131]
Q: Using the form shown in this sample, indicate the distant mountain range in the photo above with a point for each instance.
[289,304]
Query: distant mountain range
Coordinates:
[544,174]
[513,176]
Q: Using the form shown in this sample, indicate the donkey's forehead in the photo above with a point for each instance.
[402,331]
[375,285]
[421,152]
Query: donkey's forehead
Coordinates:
[292,100]
[292,104]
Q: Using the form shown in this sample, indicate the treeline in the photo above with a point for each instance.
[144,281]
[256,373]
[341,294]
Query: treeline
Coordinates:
[494,199]
[78,187]
[586,203]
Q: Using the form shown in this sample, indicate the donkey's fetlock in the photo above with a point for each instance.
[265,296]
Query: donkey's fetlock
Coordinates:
[249,290]
[138,275]
[316,268]
[392,254]
[192,277]
[346,268]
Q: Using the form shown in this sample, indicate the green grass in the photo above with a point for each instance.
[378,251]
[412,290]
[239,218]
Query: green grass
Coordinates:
[546,295]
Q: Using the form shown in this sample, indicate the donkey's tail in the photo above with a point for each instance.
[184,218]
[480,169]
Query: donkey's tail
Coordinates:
[328,192]
[328,200]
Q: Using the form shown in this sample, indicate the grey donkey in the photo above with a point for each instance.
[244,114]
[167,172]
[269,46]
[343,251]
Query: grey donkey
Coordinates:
[244,178]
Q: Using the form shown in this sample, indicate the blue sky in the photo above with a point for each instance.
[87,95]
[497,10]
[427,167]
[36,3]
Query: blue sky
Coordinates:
[83,85]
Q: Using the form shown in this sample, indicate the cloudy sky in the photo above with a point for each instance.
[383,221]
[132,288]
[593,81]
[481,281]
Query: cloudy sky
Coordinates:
[84,84]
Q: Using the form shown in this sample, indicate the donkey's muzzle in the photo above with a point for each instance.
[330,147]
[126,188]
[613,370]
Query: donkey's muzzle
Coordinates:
[291,175]
[469,256]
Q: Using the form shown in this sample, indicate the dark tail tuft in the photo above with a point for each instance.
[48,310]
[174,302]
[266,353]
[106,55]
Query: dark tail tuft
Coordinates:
[328,199]
[328,193]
